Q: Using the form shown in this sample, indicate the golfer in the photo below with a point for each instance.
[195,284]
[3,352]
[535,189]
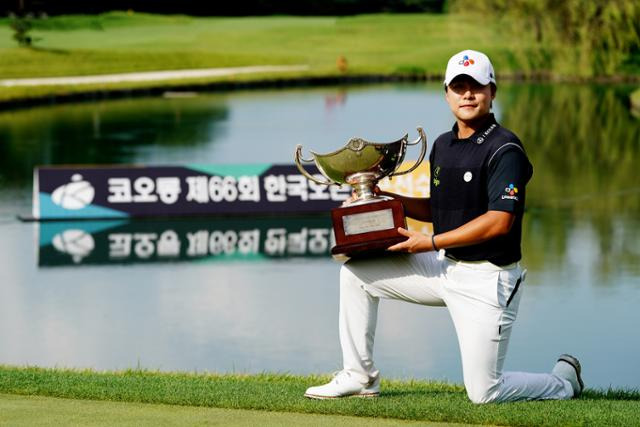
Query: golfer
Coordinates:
[471,264]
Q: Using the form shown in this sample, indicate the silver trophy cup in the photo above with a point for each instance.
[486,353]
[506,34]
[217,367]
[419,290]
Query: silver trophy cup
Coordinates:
[369,222]
[361,164]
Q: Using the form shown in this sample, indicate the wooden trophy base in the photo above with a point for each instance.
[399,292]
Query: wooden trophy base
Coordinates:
[365,230]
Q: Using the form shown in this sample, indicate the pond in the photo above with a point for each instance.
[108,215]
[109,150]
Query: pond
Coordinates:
[235,314]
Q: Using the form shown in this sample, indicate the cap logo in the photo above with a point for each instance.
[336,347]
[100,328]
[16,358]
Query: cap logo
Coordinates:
[466,61]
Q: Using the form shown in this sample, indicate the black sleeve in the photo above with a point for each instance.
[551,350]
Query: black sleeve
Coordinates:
[509,173]
[431,157]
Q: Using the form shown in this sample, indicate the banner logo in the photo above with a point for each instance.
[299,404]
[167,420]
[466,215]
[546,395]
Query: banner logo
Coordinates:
[75,195]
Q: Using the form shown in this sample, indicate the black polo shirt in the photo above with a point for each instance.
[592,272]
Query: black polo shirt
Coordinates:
[470,176]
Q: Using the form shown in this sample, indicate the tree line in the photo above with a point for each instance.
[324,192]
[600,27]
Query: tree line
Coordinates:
[228,8]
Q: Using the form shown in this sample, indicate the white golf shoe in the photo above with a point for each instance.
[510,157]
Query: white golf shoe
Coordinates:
[568,368]
[344,384]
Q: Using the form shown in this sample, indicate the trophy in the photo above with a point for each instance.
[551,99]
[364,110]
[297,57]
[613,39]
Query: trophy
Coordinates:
[369,223]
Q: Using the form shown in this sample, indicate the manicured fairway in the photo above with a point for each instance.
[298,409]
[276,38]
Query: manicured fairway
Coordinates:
[118,42]
[50,411]
[414,400]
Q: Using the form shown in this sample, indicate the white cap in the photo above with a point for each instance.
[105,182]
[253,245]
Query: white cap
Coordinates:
[472,63]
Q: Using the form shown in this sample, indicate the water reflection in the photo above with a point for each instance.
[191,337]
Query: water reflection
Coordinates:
[67,243]
[584,143]
[102,133]
[585,147]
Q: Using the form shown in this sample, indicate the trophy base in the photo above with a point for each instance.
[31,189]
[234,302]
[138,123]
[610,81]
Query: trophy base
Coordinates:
[367,229]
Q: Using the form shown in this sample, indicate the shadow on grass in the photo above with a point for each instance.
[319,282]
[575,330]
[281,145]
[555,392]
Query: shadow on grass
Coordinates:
[588,394]
[592,394]
[417,394]
[49,50]
[400,393]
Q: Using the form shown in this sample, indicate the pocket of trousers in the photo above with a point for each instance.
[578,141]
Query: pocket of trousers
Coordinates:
[508,286]
[515,289]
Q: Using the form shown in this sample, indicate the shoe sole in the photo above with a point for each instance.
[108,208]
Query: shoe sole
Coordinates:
[361,395]
[575,364]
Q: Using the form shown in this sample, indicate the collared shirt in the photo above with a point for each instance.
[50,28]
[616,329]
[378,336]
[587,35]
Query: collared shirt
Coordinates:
[470,176]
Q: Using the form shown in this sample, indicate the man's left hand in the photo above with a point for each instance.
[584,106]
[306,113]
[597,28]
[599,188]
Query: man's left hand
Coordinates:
[416,242]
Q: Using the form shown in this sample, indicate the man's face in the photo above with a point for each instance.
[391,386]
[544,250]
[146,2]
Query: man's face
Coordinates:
[468,99]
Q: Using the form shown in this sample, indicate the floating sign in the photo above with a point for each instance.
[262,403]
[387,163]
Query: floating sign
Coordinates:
[146,191]
[67,243]
[121,239]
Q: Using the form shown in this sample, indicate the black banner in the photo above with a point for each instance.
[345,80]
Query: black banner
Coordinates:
[167,191]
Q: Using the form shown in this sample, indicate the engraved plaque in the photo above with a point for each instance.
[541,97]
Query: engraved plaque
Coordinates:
[366,222]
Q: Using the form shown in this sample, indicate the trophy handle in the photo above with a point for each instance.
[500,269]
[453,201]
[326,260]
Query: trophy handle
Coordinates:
[298,158]
[422,138]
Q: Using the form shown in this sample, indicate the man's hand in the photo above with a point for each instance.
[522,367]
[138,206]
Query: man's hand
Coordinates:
[416,242]
[487,226]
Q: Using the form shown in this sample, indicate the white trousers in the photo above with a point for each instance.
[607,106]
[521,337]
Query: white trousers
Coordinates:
[482,299]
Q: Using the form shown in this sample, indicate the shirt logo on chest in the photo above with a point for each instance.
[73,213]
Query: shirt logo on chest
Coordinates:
[436,173]
[467,176]
[485,134]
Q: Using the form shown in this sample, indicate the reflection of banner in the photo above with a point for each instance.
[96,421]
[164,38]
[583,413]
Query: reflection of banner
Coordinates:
[121,192]
[147,241]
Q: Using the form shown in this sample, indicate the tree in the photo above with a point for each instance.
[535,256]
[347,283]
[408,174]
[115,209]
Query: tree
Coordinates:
[574,37]
[21,25]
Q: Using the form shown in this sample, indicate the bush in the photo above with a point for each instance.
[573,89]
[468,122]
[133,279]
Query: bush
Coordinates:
[21,26]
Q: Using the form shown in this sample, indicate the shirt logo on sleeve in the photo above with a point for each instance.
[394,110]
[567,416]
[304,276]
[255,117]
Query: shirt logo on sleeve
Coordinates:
[511,193]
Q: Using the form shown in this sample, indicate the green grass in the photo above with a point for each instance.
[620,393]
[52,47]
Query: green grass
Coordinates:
[50,411]
[414,400]
[119,42]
